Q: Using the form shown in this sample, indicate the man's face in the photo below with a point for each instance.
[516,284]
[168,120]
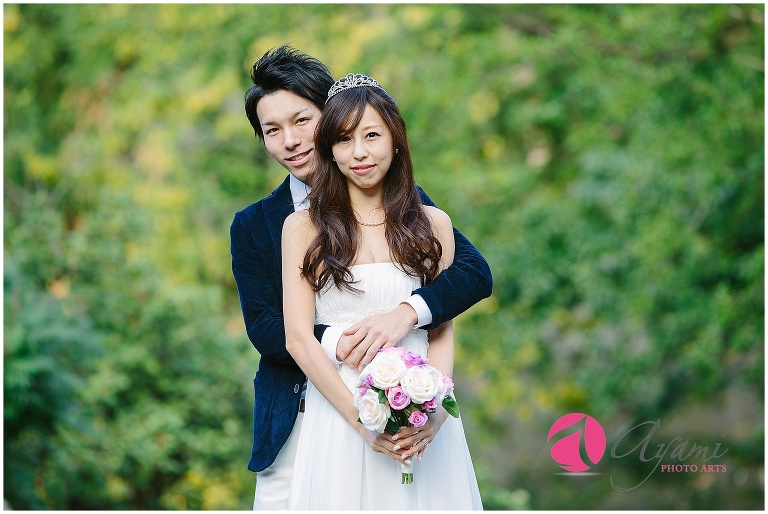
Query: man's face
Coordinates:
[288,122]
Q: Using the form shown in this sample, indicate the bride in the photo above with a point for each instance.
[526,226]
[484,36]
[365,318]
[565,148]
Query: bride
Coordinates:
[363,246]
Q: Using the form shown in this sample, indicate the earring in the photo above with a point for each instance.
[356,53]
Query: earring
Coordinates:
[397,150]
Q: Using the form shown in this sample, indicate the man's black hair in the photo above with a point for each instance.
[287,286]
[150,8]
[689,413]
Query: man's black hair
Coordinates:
[285,68]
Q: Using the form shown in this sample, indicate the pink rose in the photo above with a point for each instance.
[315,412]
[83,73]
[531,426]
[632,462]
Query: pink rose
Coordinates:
[430,405]
[414,359]
[394,349]
[448,384]
[418,418]
[398,400]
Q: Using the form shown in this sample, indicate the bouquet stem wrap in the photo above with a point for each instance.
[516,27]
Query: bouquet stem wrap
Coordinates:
[407,471]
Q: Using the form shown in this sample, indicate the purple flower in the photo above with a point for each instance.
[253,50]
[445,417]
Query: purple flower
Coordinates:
[413,359]
[418,418]
[398,400]
[430,405]
[368,382]
[361,392]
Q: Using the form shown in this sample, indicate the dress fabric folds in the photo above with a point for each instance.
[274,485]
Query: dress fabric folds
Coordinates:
[334,468]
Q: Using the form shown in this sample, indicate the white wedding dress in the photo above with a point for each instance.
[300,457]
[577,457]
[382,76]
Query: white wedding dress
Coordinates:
[334,468]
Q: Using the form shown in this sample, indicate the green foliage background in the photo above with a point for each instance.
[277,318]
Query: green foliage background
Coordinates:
[606,159]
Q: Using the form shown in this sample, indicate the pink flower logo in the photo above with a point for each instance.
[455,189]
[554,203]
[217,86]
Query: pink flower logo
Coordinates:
[566,451]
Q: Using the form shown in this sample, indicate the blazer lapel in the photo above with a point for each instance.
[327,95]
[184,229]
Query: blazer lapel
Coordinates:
[277,207]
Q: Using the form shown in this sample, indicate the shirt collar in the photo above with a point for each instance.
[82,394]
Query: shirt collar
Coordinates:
[299,191]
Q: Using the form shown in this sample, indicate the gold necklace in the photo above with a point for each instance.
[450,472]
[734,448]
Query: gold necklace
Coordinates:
[374,224]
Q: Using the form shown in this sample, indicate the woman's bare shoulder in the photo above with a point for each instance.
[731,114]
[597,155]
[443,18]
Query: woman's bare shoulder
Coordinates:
[298,224]
[438,218]
[297,219]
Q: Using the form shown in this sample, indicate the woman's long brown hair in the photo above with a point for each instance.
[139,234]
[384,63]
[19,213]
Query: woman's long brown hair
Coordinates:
[412,243]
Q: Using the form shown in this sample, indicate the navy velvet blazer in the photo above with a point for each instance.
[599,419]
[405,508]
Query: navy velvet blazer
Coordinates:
[256,264]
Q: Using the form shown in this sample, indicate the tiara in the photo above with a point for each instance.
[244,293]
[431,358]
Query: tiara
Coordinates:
[350,81]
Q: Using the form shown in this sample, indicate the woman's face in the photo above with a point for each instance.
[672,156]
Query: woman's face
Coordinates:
[364,156]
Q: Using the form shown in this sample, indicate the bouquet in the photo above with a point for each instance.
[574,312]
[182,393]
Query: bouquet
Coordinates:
[398,389]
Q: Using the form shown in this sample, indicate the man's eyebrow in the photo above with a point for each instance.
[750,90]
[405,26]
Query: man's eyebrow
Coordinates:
[295,114]
[292,116]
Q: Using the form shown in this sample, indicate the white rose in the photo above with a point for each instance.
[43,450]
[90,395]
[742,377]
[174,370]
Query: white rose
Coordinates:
[418,384]
[437,377]
[373,414]
[386,368]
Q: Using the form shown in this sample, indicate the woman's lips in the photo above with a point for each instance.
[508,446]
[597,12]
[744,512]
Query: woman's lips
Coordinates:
[362,169]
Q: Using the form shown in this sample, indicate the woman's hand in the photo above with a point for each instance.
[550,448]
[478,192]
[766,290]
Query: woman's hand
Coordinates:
[380,443]
[410,441]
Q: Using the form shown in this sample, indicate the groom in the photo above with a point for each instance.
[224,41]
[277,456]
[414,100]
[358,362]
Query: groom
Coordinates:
[283,105]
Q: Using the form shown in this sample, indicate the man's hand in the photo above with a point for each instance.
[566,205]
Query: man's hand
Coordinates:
[360,342]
